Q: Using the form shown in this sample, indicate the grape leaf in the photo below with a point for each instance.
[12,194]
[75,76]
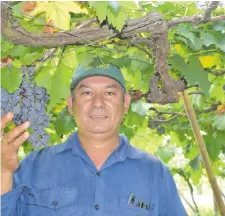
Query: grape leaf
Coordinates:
[58,12]
[219,26]
[134,119]
[196,175]
[100,8]
[11,78]
[165,154]
[208,39]
[56,81]
[29,58]
[103,10]
[217,92]
[114,5]
[83,57]
[64,122]
[6,45]
[185,32]
[195,163]
[70,58]
[140,107]
[193,72]
[127,131]
[17,9]
[213,146]
[19,50]
[117,20]
[219,122]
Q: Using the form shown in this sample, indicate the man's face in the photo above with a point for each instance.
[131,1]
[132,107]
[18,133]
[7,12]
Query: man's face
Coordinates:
[98,105]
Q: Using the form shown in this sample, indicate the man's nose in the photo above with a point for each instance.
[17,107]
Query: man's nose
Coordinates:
[98,101]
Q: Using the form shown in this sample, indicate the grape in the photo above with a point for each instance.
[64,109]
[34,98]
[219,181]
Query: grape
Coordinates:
[28,103]
[161,117]
[16,110]
[224,87]
[161,130]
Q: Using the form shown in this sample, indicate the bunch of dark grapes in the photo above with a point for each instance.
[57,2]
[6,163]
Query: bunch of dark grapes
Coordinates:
[155,124]
[28,103]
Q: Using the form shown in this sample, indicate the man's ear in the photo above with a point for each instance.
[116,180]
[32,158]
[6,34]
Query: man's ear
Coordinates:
[127,99]
[70,104]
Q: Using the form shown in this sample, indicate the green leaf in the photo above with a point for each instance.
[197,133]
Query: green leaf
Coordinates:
[103,10]
[70,58]
[213,146]
[197,101]
[100,8]
[208,39]
[83,56]
[11,78]
[185,32]
[117,20]
[129,132]
[29,58]
[165,154]
[217,92]
[6,45]
[196,175]
[140,107]
[64,122]
[219,122]
[195,163]
[16,63]
[146,140]
[56,81]
[196,45]
[219,26]
[114,5]
[134,119]
[219,40]
[193,72]
[19,50]
[17,10]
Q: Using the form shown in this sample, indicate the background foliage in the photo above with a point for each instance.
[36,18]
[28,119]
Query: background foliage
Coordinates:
[197,54]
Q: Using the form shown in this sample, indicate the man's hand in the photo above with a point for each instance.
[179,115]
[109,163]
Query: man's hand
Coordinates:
[10,143]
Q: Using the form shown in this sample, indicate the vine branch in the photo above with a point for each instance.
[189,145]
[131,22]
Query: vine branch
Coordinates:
[86,35]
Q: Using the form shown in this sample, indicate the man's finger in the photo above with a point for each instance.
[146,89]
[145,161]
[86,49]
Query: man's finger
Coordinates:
[19,141]
[6,119]
[13,134]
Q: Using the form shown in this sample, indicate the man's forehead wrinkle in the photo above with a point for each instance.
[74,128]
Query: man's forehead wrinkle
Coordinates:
[90,85]
[81,85]
[111,86]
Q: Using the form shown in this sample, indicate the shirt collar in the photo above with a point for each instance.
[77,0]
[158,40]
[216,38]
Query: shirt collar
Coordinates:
[123,151]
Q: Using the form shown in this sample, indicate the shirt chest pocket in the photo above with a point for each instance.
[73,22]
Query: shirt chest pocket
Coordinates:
[126,209]
[57,201]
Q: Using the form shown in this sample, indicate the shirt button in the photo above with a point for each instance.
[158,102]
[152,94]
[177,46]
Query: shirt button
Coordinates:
[54,203]
[98,173]
[97,207]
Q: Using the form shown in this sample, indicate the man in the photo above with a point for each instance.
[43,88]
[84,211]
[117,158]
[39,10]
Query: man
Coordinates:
[96,171]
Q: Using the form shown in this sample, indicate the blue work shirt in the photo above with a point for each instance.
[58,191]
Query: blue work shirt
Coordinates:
[62,180]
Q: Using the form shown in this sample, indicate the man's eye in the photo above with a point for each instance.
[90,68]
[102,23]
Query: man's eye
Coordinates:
[110,93]
[86,93]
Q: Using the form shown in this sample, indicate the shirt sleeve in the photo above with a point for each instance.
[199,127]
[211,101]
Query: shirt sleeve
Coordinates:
[11,205]
[170,202]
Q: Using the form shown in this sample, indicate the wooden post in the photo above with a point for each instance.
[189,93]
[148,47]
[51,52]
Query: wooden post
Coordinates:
[203,151]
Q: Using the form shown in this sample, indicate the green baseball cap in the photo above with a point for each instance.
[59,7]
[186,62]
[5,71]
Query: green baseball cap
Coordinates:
[107,70]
